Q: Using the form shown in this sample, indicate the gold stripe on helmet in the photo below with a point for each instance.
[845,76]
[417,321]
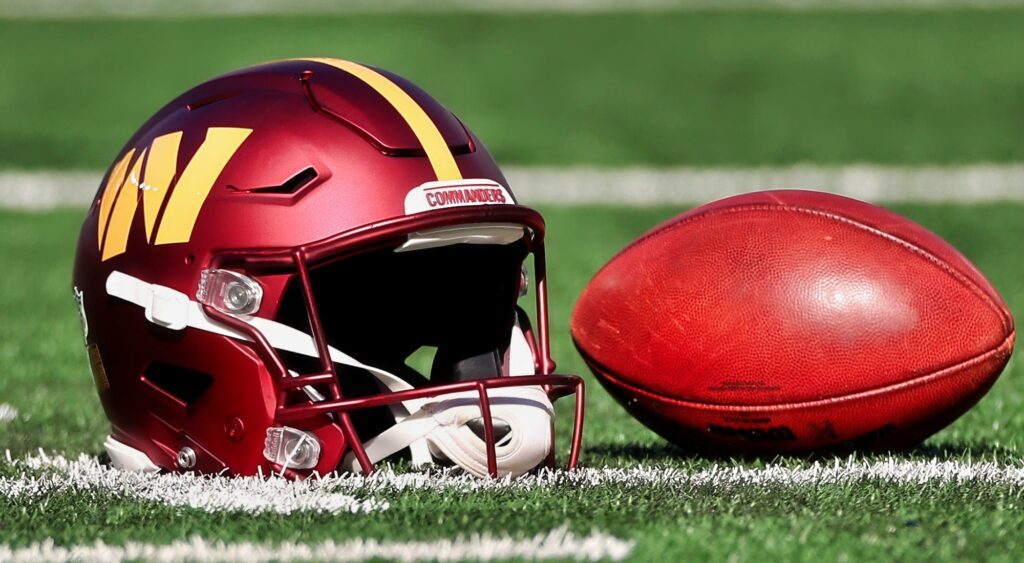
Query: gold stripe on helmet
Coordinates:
[116,238]
[441,158]
[196,182]
[160,169]
[114,182]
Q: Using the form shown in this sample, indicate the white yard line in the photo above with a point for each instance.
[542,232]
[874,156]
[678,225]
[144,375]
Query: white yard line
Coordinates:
[7,413]
[42,475]
[556,544]
[643,185]
[47,190]
[839,472]
[160,8]
[647,186]
[36,478]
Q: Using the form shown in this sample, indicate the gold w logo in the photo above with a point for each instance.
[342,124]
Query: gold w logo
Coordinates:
[150,181]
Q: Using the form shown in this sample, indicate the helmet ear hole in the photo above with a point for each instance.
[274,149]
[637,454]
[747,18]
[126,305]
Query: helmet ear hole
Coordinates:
[184,384]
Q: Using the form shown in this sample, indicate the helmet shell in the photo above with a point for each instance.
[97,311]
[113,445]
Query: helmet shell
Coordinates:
[274,156]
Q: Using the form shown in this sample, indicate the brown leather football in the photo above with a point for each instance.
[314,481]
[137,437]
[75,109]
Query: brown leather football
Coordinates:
[789,321]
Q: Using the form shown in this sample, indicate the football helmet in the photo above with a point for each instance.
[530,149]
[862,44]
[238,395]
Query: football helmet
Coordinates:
[274,257]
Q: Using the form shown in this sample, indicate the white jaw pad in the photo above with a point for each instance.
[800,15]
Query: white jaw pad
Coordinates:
[478,233]
[527,411]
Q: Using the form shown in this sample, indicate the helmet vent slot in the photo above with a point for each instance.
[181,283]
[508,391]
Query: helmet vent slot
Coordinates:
[185,385]
[289,186]
[202,102]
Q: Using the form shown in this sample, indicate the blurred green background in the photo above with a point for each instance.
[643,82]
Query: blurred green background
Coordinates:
[659,88]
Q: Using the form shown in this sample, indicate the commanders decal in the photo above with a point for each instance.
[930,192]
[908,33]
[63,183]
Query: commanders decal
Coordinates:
[456,193]
[150,170]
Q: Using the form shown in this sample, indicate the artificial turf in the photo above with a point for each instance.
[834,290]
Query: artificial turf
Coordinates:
[45,376]
[661,88]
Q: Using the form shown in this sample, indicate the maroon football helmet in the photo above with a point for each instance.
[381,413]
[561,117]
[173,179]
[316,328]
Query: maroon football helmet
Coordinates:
[268,252]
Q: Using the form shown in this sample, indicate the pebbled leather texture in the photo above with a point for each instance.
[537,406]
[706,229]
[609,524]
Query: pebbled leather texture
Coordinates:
[792,320]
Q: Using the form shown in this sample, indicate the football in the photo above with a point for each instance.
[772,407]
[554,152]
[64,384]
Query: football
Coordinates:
[791,322]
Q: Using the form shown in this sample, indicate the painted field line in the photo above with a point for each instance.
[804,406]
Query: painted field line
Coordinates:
[642,185]
[41,476]
[893,470]
[648,186]
[159,8]
[556,544]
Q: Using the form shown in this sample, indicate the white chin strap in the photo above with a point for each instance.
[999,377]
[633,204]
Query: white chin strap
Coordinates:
[431,427]
[526,410]
[442,425]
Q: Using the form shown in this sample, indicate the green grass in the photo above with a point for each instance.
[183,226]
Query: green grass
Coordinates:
[698,88]
[45,376]
[860,521]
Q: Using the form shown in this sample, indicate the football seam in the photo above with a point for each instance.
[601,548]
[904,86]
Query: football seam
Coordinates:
[1003,348]
[1006,322]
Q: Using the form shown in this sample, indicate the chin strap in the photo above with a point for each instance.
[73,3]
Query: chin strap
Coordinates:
[442,424]
[435,425]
